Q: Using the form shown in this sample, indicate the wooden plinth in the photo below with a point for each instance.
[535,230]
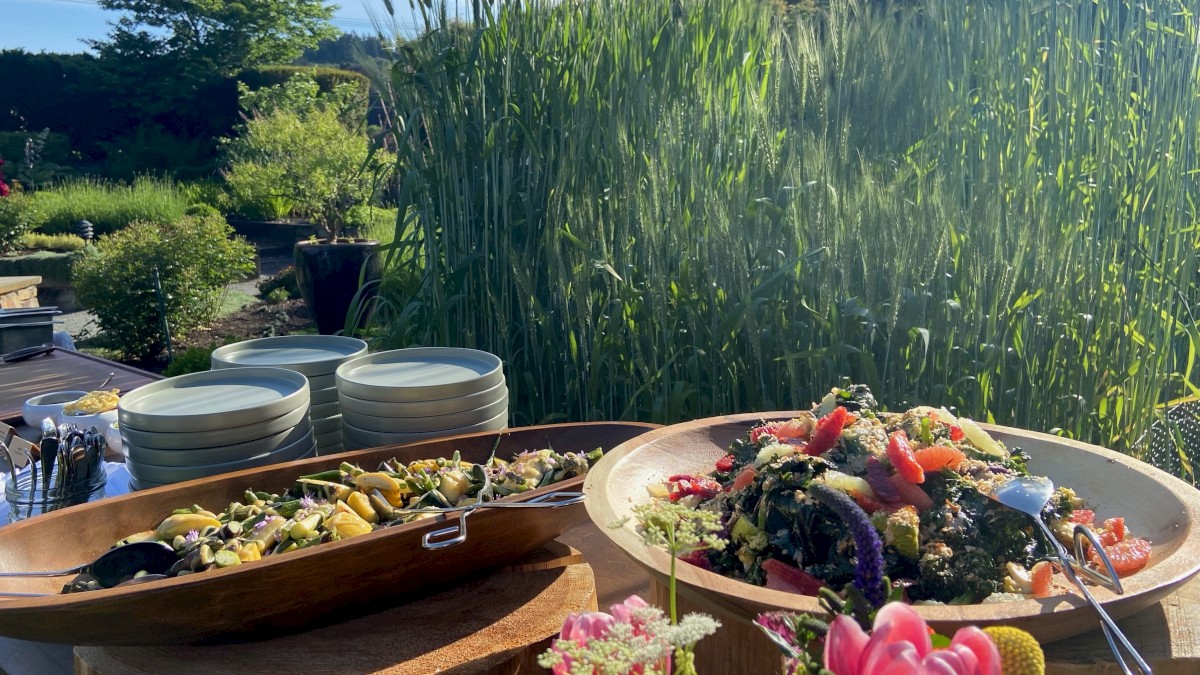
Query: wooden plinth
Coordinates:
[495,625]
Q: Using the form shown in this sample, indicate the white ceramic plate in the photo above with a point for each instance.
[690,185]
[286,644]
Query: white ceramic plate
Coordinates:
[327,425]
[430,423]
[330,438]
[322,396]
[311,355]
[419,374]
[135,484]
[161,440]
[325,410]
[218,455]
[49,405]
[441,406]
[213,399]
[174,474]
[325,451]
[372,439]
[322,382]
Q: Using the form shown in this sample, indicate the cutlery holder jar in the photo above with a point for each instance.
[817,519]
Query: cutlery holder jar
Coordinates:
[27,497]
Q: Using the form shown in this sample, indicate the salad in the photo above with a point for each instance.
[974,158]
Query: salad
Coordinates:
[920,478]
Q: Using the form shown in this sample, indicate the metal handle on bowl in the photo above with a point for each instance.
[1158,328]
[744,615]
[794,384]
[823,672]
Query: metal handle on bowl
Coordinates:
[458,533]
[431,539]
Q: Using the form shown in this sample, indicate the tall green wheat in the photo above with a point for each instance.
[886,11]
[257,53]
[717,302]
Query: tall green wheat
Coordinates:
[663,210]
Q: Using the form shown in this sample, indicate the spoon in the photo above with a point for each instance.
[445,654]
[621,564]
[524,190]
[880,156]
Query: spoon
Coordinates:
[106,381]
[1029,495]
[115,564]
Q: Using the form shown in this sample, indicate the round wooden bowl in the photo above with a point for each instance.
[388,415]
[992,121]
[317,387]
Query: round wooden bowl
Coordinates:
[1155,505]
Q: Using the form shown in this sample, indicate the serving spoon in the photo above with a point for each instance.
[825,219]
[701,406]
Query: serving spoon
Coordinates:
[115,564]
[1029,495]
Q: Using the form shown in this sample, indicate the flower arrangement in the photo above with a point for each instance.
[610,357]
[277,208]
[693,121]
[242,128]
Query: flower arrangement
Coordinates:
[867,630]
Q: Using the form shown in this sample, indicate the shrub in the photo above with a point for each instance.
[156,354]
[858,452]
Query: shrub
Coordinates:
[192,360]
[52,242]
[284,280]
[304,152]
[202,210]
[110,206]
[326,78]
[372,222]
[52,266]
[18,214]
[195,259]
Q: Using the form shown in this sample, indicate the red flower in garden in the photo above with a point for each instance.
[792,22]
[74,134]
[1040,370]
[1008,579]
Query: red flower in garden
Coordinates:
[3,186]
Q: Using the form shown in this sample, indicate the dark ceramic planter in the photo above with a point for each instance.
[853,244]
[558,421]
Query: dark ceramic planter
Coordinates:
[328,275]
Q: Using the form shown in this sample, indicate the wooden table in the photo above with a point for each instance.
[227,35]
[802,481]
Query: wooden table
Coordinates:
[495,625]
[62,370]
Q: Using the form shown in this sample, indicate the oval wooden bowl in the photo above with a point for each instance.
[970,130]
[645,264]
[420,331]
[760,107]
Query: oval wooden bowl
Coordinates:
[278,594]
[1155,505]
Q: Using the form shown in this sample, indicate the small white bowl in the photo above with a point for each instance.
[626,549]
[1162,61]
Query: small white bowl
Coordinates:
[49,405]
[112,436]
[102,421]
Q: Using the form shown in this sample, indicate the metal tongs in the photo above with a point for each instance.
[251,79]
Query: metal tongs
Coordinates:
[1029,495]
[457,533]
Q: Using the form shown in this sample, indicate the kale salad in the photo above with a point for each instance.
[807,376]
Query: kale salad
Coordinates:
[799,497]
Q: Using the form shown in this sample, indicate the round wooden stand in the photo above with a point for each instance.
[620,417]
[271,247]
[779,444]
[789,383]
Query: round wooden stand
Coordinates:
[497,625]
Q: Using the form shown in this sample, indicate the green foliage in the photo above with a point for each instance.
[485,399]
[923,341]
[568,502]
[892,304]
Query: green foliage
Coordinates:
[109,206]
[347,50]
[216,37]
[195,259]
[300,152]
[18,215]
[51,266]
[52,242]
[63,92]
[372,222]
[34,158]
[327,79]
[192,360]
[277,296]
[688,209]
[284,280]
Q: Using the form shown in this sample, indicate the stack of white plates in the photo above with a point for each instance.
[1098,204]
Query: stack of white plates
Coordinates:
[213,422]
[314,356]
[408,395]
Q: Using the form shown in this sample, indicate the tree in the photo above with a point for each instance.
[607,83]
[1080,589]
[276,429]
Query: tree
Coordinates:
[215,38]
[307,152]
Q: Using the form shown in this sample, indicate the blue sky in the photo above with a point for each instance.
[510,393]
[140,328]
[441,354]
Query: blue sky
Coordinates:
[60,25]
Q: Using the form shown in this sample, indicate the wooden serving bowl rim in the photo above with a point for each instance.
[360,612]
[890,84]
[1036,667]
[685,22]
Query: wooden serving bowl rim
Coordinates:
[1179,564]
[364,542]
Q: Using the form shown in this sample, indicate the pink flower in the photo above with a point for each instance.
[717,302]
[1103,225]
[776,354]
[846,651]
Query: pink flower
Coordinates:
[580,628]
[899,644]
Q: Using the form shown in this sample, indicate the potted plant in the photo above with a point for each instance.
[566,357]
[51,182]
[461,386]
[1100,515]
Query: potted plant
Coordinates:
[311,150]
